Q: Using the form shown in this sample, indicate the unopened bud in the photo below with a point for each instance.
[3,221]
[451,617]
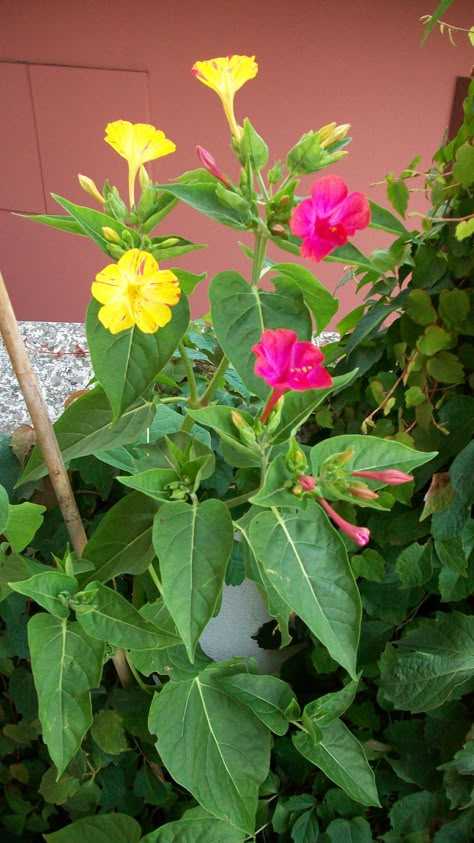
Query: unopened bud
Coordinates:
[115,251]
[278,230]
[246,433]
[297,490]
[210,164]
[90,187]
[361,491]
[307,482]
[338,133]
[143,178]
[344,456]
[390,476]
[170,241]
[110,234]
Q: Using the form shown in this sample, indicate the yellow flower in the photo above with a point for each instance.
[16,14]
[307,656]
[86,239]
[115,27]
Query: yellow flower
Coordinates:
[225,76]
[135,291]
[138,143]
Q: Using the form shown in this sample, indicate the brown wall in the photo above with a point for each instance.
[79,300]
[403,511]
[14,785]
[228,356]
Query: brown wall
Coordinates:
[67,67]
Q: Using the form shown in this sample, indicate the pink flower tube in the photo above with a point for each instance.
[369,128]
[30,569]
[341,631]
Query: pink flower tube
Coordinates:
[285,363]
[390,476]
[360,535]
[329,217]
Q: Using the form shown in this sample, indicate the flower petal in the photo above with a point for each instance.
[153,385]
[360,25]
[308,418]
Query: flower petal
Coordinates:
[327,193]
[273,356]
[137,142]
[226,74]
[353,213]
[303,218]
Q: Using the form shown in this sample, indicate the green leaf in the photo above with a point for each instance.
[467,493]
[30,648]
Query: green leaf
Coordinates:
[454,307]
[306,562]
[321,303]
[463,169]
[126,364]
[465,228]
[188,281]
[4,509]
[432,663]
[349,254]
[271,699]
[109,733]
[241,313]
[66,664]
[384,220]
[154,483]
[369,564]
[219,418]
[324,710]
[419,308]
[119,828]
[450,553]
[355,830]
[24,520]
[397,195]
[106,615]
[298,406]
[433,340]
[252,147]
[195,826]
[122,542]
[48,589]
[86,427]
[56,221]
[450,521]
[92,222]
[198,189]
[341,757]
[193,543]
[415,565]
[201,727]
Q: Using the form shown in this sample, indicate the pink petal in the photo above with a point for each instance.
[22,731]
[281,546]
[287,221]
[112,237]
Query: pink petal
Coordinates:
[353,213]
[305,369]
[303,218]
[328,192]
[320,245]
[273,356]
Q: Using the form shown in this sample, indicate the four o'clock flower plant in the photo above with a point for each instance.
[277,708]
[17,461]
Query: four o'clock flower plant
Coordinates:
[197,435]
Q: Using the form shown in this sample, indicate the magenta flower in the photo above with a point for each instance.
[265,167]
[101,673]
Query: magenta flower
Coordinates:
[360,535]
[329,218]
[285,363]
[210,164]
[307,483]
[390,476]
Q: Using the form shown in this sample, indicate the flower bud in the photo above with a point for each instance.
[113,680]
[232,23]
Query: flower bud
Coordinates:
[307,482]
[337,133]
[246,433]
[360,535]
[210,164]
[390,476]
[90,187]
[143,178]
[110,234]
[360,490]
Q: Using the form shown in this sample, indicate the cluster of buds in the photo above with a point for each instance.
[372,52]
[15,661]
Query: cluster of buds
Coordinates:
[334,476]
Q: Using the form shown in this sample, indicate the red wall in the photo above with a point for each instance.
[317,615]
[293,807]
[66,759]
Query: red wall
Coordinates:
[69,67]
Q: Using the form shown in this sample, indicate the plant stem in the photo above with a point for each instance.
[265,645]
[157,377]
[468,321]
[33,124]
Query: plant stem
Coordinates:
[188,368]
[239,499]
[155,579]
[214,382]
[258,256]
[38,411]
[134,672]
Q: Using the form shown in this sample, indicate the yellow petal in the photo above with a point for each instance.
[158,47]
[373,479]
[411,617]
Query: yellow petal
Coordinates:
[226,74]
[137,142]
[109,285]
[116,317]
[150,316]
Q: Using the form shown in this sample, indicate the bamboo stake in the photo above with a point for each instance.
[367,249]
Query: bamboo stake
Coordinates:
[47,441]
[38,411]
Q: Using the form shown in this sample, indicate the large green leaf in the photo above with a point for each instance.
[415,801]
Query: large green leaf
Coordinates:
[193,543]
[106,615]
[241,313]
[66,664]
[86,427]
[320,301]
[370,454]
[432,663]
[298,406]
[50,590]
[122,542]
[195,826]
[383,219]
[212,745]
[102,828]
[92,222]
[355,830]
[271,699]
[306,562]
[342,758]
[198,189]
[126,364]
[24,520]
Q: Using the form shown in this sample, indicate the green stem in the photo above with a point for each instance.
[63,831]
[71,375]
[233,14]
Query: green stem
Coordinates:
[262,186]
[231,502]
[155,579]
[214,382]
[188,368]
[258,256]
[147,688]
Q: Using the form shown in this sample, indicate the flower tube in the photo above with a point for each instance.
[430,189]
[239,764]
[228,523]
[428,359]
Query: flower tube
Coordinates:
[360,535]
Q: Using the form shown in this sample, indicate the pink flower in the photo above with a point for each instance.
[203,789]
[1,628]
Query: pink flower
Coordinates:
[329,218]
[360,535]
[210,164]
[285,363]
[390,476]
